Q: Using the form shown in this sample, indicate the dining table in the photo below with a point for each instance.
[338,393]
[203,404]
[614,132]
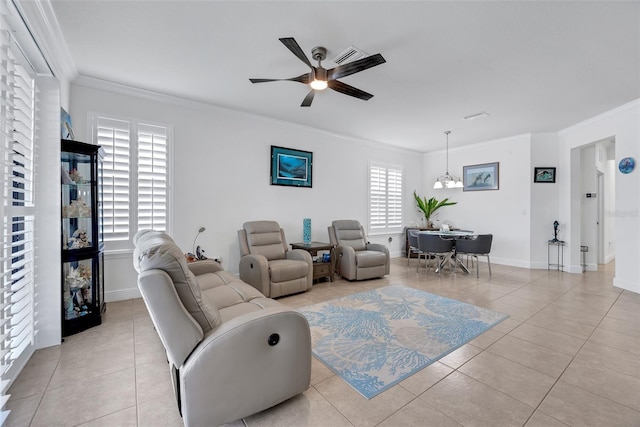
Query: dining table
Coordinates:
[452,235]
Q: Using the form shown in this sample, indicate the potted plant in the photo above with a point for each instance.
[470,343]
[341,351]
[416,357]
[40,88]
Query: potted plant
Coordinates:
[428,207]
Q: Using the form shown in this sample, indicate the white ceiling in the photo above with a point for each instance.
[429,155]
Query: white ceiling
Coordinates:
[532,66]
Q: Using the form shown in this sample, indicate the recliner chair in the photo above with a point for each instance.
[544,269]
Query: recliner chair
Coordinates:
[231,351]
[357,259]
[268,265]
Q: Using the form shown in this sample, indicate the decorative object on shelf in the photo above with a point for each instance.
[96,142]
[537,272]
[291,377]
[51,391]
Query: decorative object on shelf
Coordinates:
[79,240]
[627,165]
[556,225]
[447,180]
[66,130]
[481,177]
[306,230]
[291,167]
[544,174]
[429,207]
[76,209]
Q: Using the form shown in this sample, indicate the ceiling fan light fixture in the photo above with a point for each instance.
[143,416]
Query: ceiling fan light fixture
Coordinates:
[318,84]
[319,75]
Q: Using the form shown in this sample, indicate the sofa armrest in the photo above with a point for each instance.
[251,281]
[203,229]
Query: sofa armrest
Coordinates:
[178,331]
[381,248]
[346,261]
[255,374]
[378,247]
[254,270]
[204,266]
[302,255]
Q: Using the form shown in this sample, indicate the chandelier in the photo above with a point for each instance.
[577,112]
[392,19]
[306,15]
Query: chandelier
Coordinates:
[447,180]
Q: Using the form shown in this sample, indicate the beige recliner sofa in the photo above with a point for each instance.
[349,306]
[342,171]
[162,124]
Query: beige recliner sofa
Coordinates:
[268,265]
[357,259]
[231,351]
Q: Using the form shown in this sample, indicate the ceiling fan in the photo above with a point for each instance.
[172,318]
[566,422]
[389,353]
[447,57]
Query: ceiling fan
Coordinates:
[320,78]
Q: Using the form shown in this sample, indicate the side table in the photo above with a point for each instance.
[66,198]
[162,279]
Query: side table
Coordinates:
[320,268]
[559,264]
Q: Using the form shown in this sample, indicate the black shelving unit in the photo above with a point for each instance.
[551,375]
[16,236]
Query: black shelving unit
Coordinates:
[82,236]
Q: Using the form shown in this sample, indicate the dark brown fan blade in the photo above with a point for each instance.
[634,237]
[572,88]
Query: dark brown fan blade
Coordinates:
[306,102]
[349,90]
[355,66]
[304,78]
[294,47]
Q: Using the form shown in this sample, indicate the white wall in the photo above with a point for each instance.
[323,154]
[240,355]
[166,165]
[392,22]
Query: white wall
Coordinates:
[623,124]
[505,213]
[221,175]
[544,198]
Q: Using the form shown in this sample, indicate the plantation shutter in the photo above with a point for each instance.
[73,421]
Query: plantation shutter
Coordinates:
[152,177]
[394,199]
[17,244]
[377,198]
[385,199]
[135,171]
[115,137]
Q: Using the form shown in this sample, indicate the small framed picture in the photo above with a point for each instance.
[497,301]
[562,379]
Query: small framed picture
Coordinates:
[544,175]
[481,177]
[291,167]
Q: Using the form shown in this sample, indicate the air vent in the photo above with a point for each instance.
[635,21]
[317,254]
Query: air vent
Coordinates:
[350,54]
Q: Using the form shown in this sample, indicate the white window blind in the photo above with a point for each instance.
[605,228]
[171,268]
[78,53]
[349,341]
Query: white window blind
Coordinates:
[114,136]
[152,177]
[135,178]
[17,100]
[385,199]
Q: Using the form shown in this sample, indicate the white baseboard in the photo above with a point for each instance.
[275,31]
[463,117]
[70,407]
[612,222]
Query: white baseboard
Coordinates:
[122,295]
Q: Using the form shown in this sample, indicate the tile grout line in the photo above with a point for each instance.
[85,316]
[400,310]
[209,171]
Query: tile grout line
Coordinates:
[569,364]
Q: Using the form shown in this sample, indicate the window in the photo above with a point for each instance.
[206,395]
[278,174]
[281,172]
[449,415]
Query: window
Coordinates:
[385,199]
[135,178]
[17,210]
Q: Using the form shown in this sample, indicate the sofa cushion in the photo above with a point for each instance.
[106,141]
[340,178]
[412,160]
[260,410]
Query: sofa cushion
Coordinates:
[156,250]
[265,238]
[350,233]
[370,258]
[283,270]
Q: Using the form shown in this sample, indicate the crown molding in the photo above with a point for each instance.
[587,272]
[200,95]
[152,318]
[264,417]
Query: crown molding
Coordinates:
[41,21]
[628,106]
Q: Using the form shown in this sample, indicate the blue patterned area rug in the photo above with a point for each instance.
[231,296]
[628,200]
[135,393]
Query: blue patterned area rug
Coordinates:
[375,339]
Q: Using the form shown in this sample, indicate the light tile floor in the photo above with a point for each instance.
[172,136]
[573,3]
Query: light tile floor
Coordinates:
[568,355]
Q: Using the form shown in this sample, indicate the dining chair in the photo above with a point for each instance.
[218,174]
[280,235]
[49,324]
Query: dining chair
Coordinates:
[432,245]
[474,247]
[413,245]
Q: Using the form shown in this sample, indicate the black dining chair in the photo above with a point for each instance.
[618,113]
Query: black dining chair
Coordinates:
[474,247]
[432,245]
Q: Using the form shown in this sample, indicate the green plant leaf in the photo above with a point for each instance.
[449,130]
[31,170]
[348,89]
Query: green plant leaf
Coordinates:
[428,207]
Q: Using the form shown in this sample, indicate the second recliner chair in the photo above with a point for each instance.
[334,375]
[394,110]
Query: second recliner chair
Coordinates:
[357,259]
[268,265]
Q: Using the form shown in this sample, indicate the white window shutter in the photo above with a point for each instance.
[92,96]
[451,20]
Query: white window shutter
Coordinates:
[135,173]
[152,177]
[17,210]
[115,137]
[385,199]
